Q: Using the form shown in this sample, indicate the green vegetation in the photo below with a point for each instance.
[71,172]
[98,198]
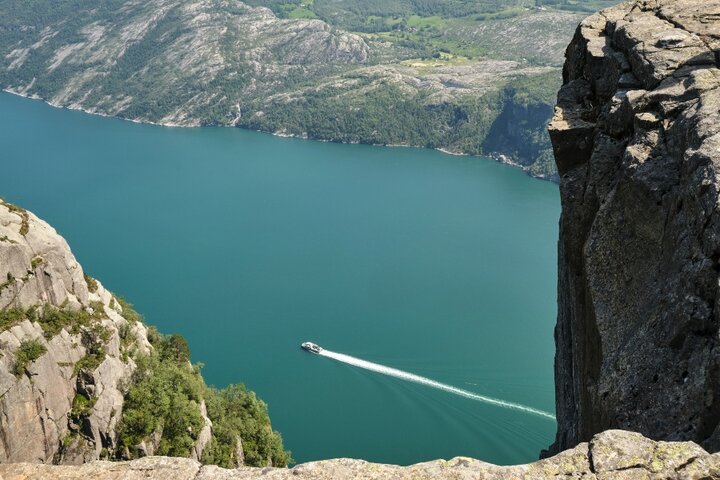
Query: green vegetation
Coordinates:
[376,15]
[82,408]
[427,27]
[128,312]
[94,336]
[165,396]
[303,10]
[521,129]
[461,28]
[535,90]
[512,120]
[52,320]
[126,342]
[396,76]
[413,120]
[36,262]
[27,352]
[91,283]
[24,216]
[82,405]
[584,6]
[9,317]
[9,280]
[69,439]
[237,413]
[94,340]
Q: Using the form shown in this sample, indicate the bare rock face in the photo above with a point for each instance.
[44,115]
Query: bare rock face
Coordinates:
[636,136]
[611,455]
[38,260]
[42,414]
[73,357]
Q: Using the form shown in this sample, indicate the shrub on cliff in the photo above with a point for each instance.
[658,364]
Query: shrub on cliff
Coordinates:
[237,413]
[164,398]
[27,352]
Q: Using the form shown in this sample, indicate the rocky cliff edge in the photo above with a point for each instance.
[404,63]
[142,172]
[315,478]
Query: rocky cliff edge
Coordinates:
[40,420]
[67,352]
[636,135]
[612,454]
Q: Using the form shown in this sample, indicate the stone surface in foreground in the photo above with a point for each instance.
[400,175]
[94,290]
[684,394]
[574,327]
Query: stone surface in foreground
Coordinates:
[611,454]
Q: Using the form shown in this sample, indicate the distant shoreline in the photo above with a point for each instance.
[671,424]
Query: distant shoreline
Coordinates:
[498,157]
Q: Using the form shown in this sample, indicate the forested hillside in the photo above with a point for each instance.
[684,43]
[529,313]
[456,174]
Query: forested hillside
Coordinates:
[434,73]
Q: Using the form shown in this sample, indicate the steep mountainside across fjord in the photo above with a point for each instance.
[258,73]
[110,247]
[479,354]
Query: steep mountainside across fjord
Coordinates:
[467,77]
[636,135]
[82,378]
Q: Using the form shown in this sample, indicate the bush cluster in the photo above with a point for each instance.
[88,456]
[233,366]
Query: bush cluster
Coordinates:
[165,396]
[27,352]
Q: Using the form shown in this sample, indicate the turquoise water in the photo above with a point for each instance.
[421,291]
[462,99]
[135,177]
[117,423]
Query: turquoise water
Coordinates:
[248,244]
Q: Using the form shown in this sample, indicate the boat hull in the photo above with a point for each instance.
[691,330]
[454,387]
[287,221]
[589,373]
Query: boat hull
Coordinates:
[310,347]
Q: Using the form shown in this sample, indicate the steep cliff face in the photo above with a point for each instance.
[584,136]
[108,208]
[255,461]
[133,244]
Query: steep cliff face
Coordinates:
[42,387]
[636,136]
[520,132]
[82,378]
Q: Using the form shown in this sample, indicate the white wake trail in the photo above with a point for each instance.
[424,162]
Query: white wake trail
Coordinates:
[411,377]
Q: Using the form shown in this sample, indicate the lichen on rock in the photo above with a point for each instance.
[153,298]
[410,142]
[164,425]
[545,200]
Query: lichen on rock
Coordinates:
[614,454]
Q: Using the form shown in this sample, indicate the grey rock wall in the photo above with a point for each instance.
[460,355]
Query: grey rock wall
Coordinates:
[636,136]
[38,419]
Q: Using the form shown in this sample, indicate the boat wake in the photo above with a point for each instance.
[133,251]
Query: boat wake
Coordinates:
[411,377]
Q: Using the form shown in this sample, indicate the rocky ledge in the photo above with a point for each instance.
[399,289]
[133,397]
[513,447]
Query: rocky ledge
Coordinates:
[636,136]
[612,454]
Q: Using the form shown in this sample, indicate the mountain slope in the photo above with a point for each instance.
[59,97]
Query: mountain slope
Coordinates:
[422,81]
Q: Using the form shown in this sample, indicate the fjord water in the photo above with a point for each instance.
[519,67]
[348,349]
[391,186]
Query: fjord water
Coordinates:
[248,244]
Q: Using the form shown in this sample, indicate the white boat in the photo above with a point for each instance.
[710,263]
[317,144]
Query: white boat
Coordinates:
[310,347]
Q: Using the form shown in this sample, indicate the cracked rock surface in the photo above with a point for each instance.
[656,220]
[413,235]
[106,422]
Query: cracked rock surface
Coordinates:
[636,135]
[612,454]
[37,422]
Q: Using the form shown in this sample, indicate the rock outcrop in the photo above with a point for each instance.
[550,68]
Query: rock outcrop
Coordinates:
[38,421]
[61,404]
[636,136]
[612,454]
